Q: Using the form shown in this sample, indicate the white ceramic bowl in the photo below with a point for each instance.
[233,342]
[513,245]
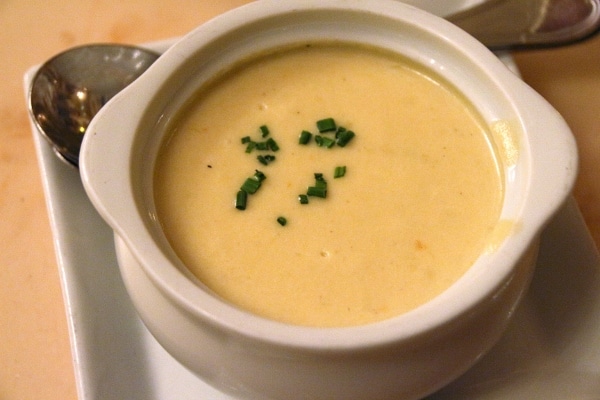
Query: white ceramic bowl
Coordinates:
[404,357]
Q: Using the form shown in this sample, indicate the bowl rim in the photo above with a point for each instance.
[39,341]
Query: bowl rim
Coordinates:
[409,326]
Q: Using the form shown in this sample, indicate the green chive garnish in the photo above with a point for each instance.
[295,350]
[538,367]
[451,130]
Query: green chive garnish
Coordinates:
[241,199]
[264,130]
[262,146]
[265,159]
[344,138]
[251,145]
[272,144]
[341,137]
[251,185]
[320,187]
[323,141]
[262,160]
[259,175]
[317,191]
[339,171]
[303,199]
[326,125]
[320,182]
[304,137]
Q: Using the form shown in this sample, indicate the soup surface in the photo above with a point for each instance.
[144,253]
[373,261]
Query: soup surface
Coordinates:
[421,194]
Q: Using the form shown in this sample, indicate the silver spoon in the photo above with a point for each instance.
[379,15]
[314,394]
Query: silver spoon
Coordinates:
[69,89]
[526,24]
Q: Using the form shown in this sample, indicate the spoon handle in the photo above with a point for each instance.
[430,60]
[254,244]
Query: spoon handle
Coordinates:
[524,24]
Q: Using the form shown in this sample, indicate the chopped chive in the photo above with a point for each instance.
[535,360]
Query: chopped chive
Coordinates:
[303,199]
[246,139]
[251,145]
[304,137]
[282,221]
[344,138]
[316,191]
[241,199]
[264,130]
[259,175]
[339,131]
[272,144]
[326,125]
[266,159]
[339,171]
[251,185]
[262,146]
[262,159]
[320,187]
[323,141]
[320,182]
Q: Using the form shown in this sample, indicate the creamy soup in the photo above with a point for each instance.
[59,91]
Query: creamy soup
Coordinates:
[421,193]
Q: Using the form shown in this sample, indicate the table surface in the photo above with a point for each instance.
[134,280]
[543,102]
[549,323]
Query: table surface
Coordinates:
[34,343]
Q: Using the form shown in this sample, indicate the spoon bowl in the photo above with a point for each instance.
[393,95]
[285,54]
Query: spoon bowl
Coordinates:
[70,88]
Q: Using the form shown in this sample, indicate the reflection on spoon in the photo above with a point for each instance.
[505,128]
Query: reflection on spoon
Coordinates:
[69,89]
